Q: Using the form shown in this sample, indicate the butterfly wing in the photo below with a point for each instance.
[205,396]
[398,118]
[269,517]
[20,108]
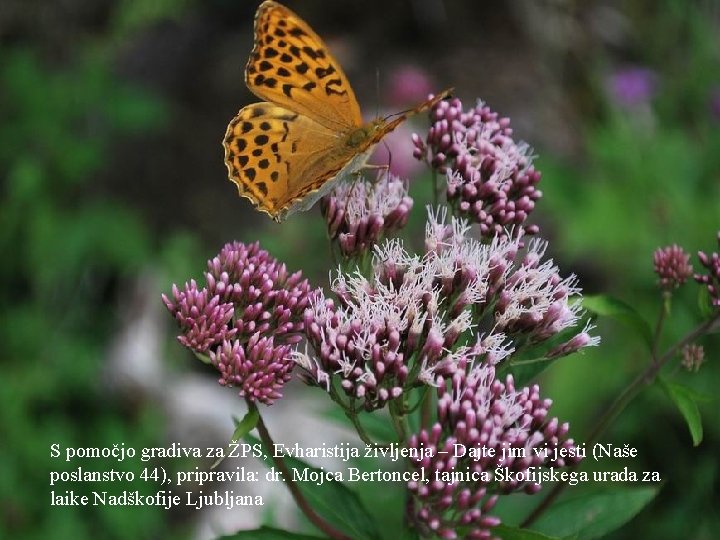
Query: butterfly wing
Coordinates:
[281,160]
[291,66]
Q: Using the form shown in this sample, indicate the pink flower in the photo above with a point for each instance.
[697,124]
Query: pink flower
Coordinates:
[246,319]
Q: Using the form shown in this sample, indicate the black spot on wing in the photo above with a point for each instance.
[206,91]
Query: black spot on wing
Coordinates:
[321,73]
[310,52]
[285,132]
[334,82]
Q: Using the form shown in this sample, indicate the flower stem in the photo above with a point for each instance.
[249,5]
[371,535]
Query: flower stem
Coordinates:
[300,500]
[435,187]
[625,397]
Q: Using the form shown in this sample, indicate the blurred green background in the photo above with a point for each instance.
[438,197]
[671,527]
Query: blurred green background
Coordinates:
[111,116]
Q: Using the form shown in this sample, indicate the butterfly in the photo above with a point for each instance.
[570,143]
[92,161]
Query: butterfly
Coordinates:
[288,151]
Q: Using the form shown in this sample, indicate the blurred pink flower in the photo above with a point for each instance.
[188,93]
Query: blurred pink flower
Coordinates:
[409,85]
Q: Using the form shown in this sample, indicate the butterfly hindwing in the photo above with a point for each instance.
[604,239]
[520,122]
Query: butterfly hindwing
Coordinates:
[277,157]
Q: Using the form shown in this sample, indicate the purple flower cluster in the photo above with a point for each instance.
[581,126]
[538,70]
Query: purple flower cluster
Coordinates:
[499,427]
[490,177]
[712,278]
[359,213]
[417,314]
[245,319]
[672,265]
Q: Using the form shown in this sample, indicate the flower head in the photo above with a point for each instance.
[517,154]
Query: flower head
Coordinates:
[360,212]
[500,427]
[490,177]
[203,318]
[672,265]
[712,278]
[417,314]
[259,368]
[693,356]
[246,318]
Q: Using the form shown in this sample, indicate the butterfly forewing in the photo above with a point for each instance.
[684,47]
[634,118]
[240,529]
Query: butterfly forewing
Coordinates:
[291,66]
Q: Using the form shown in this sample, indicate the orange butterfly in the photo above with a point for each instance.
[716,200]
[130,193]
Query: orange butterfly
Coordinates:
[287,152]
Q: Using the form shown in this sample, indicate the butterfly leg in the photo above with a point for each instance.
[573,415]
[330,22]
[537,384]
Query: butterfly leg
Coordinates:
[378,168]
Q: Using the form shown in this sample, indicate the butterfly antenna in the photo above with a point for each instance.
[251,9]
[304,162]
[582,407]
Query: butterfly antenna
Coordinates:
[377,92]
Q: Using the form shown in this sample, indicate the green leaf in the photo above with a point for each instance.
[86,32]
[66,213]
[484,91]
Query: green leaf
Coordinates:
[595,515]
[242,428]
[333,501]
[607,306]
[376,424]
[268,533]
[704,303]
[513,533]
[685,400]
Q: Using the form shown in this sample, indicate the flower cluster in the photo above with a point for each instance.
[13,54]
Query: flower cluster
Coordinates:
[358,213]
[712,278]
[672,265]
[692,356]
[416,315]
[500,428]
[245,319]
[490,177]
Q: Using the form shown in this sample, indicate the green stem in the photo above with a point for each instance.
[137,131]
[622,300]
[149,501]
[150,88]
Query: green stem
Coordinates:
[300,500]
[435,188]
[355,419]
[399,423]
[426,412]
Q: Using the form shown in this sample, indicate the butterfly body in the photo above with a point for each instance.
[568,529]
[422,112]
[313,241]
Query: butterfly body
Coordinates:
[288,151]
